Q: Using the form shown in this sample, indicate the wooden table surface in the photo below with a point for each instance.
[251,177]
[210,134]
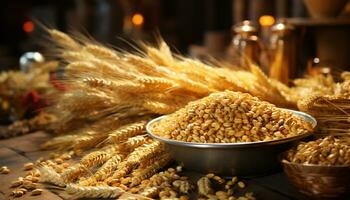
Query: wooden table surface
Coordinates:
[16,151]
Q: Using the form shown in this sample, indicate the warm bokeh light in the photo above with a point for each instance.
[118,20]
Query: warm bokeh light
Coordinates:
[316,60]
[137,19]
[28,26]
[266,20]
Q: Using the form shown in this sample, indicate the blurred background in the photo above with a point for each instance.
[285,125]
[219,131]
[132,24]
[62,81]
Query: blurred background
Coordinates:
[192,27]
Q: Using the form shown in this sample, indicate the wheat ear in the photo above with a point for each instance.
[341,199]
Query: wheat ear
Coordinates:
[104,172]
[49,175]
[138,156]
[133,143]
[88,161]
[100,51]
[63,40]
[94,191]
[127,131]
[141,174]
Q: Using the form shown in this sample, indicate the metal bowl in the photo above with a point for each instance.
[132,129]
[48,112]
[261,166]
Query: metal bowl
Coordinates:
[246,159]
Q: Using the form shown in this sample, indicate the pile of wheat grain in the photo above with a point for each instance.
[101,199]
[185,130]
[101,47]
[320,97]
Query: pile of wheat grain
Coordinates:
[324,151]
[229,117]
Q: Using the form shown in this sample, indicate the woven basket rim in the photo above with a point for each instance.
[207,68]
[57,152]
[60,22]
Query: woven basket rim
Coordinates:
[285,161]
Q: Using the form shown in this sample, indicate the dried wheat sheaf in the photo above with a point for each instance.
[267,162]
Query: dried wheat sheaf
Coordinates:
[328,102]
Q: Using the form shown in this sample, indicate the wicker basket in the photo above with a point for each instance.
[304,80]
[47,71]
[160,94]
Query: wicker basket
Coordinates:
[319,181]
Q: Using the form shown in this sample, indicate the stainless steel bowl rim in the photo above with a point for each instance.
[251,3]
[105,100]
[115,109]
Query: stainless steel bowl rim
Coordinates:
[232,145]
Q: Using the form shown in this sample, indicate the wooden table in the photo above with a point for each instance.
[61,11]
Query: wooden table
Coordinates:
[19,150]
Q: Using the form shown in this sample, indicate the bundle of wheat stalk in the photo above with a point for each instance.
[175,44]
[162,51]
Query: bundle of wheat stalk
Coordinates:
[331,108]
[110,97]
[22,95]
[311,85]
[111,88]
[16,84]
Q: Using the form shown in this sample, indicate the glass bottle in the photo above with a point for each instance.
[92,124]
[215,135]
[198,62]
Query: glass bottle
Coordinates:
[246,43]
[283,48]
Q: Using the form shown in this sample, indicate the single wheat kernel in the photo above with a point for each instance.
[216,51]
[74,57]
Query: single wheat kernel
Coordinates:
[241,184]
[65,165]
[37,192]
[28,166]
[5,170]
[59,161]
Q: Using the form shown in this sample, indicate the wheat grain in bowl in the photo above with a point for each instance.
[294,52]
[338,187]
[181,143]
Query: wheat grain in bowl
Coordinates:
[230,117]
[324,151]
[320,168]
